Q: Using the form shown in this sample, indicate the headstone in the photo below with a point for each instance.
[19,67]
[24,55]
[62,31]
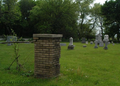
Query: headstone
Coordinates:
[96,43]
[71,46]
[83,40]
[11,39]
[106,40]
[91,42]
[84,46]
[62,44]
[101,43]
[99,38]
[86,42]
[1,39]
[112,42]
[27,43]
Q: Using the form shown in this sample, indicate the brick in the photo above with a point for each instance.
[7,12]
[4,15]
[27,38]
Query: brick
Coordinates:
[47,54]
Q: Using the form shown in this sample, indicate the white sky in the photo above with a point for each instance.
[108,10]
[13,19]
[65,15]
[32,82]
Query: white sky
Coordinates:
[100,1]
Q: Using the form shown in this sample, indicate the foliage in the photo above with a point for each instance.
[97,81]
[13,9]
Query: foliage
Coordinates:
[27,17]
[111,11]
[84,23]
[55,16]
[16,53]
[9,14]
[26,29]
[97,17]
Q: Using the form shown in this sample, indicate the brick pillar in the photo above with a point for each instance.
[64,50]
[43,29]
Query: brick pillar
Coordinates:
[47,54]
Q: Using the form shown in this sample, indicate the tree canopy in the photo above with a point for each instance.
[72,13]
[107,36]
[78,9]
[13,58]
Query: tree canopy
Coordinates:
[9,13]
[67,17]
[55,16]
[111,12]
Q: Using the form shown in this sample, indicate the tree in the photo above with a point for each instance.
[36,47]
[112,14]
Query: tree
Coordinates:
[111,30]
[9,14]
[55,16]
[97,17]
[25,30]
[111,11]
[84,23]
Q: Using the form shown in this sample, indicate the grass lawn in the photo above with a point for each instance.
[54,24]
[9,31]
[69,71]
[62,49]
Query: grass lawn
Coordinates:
[79,67]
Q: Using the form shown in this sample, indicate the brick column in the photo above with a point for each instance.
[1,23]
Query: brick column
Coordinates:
[47,54]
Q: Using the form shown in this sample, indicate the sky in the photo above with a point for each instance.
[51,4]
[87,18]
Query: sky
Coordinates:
[100,1]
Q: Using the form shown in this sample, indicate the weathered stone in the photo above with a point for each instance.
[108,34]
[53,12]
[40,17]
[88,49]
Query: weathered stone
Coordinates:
[62,44]
[83,40]
[96,43]
[91,42]
[84,46]
[106,40]
[86,42]
[71,46]
[11,39]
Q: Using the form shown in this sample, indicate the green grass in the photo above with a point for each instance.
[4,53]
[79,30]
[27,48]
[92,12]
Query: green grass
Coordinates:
[79,67]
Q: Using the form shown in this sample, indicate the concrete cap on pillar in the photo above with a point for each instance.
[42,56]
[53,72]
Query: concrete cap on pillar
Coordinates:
[48,35]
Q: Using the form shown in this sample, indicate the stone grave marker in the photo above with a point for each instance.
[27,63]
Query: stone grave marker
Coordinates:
[11,39]
[71,46]
[83,40]
[86,42]
[106,40]
[99,38]
[96,43]
[62,44]
[112,42]
[84,46]
[91,42]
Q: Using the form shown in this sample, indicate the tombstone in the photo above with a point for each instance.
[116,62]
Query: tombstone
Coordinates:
[62,44]
[99,38]
[84,46]
[96,43]
[83,40]
[86,42]
[101,43]
[91,42]
[71,46]
[112,42]
[11,39]
[106,40]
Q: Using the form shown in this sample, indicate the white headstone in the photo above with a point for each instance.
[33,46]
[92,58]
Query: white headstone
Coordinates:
[71,46]
[86,42]
[71,41]
[99,39]
[106,40]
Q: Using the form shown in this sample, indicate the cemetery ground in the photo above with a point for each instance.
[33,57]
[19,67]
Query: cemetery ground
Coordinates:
[83,66]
